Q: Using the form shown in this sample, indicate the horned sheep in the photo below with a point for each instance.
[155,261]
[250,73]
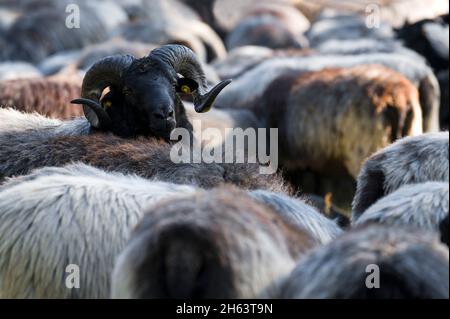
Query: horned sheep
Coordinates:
[144,93]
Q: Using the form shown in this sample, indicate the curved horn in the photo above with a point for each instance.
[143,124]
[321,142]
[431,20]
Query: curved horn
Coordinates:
[101,116]
[186,63]
[104,73]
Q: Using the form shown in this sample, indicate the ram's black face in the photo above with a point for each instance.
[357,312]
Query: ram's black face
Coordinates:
[148,97]
[143,98]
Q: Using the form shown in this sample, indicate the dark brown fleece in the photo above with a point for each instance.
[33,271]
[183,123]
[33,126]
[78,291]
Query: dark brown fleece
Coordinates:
[44,96]
[148,158]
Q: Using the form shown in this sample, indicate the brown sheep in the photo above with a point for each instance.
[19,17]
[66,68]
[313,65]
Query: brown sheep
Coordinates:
[330,121]
[49,97]
[341,115]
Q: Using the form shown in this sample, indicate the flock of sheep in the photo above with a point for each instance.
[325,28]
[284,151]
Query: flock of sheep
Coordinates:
[86,176]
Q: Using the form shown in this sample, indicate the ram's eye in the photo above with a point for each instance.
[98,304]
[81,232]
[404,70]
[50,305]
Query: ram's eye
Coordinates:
[186,86]
[107,104]
[185,89]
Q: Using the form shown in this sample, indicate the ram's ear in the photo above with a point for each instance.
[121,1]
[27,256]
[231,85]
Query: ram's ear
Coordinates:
[186,86]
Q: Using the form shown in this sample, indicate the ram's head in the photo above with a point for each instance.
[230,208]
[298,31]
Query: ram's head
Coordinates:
[144,93]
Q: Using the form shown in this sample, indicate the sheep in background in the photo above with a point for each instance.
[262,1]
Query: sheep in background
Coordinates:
[49,97]
[229,13]
[205,9]
[430,38]
[411,265]
[339,105]
[90,212]
[264,31]
[116,46]
[368,107]
[411,160]
[84,59]
[143,31]
[252,85]
[219,244]
[17,70]
[397,13]
[240,60]
[270,25]
[162,25]
[424,206]
[109,13]
[42,32]
[366,46]
[392,12]
[337,26]
[349,113]
[58,62]
[245,58]
[370,92]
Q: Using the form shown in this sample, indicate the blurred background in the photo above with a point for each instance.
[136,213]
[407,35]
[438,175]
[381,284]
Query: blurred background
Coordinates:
[47,46]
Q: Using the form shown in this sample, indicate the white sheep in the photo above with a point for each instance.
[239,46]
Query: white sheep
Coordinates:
[73,215]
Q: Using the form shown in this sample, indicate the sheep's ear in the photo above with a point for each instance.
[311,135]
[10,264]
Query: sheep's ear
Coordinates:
[186,86]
